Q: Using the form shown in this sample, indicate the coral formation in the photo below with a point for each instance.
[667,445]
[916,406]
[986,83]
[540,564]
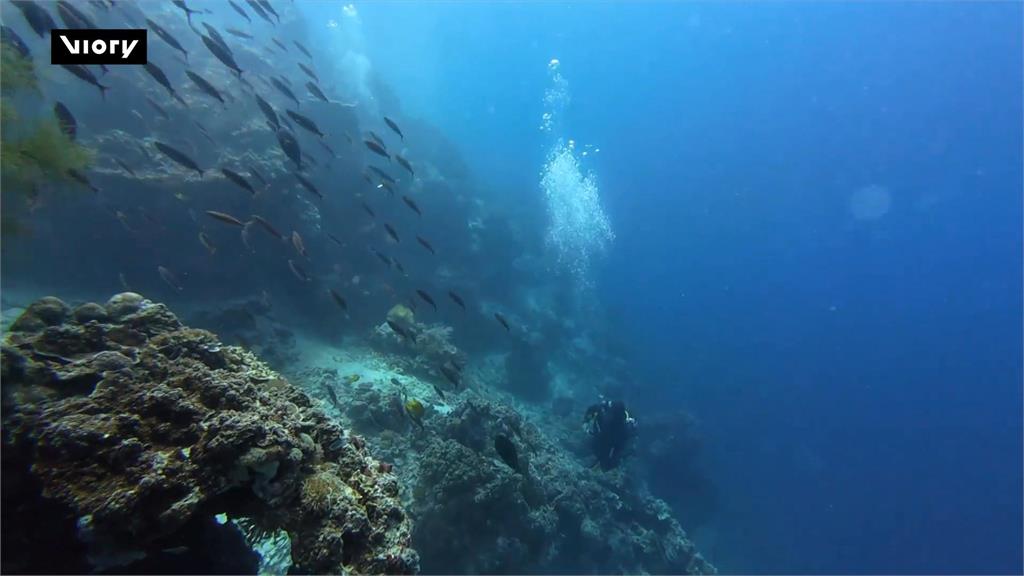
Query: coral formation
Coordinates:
[377,410]
[402,314]
[549,513]
[554,515]
[431,344]
[124,430]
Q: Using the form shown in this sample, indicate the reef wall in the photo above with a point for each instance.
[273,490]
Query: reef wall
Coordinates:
[540,509]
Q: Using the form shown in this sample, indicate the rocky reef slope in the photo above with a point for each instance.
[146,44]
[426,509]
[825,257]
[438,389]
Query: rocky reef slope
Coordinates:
[127,435]
[540,509]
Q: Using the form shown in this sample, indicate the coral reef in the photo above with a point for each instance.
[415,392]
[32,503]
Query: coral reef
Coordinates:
[430,344]
[127,433]
[372,407]
[402,314]
[548,514]
[553,516]
[125,430]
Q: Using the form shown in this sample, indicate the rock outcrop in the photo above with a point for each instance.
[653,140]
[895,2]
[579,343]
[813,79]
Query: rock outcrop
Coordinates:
[125,432]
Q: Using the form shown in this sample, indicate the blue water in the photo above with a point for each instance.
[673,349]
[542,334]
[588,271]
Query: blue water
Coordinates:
[814,241]
[858,381]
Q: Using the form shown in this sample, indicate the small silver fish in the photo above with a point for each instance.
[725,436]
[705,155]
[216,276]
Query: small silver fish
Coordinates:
[268,227]
[299,245]
[207,243]
[298,271]
[225,218]
[125,167]
[245,235]
[169,278]
[123,219]
[391,124]
[405,164]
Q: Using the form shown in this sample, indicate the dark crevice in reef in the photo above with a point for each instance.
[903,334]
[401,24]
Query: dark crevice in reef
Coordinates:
[30,546]
[202,546]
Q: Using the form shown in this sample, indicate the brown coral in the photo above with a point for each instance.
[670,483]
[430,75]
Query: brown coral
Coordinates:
[123,429]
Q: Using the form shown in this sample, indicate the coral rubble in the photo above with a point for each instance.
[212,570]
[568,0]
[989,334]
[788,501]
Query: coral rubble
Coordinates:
[125,430]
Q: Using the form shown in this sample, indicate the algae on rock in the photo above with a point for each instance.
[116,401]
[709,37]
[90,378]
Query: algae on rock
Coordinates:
[33,150]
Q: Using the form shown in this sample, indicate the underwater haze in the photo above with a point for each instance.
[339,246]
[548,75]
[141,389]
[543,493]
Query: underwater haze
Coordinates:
[516,287]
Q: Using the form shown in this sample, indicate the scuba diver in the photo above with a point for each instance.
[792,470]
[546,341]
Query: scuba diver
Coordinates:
[610,428]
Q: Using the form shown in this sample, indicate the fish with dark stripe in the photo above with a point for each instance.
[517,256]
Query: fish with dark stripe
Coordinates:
[239,180]
[66,120]
[426,298]
[178,156]
[205,85]
[309,186]
[391,124]
[423,242]
[377,149]
[457,299]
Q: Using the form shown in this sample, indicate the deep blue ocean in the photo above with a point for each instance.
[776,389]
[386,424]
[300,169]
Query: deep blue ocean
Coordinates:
[858,379]
[810,240]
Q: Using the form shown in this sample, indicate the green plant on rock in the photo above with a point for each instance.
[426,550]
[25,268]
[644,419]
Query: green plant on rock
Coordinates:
[33,150]
[45,153]
[16,72]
